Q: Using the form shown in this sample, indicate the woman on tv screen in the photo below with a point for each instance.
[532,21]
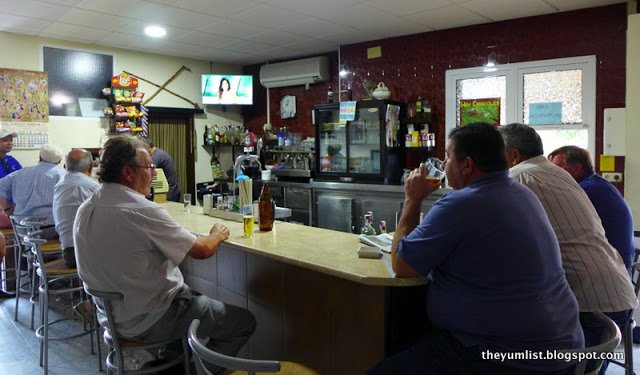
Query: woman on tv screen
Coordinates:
[224,92]
[227,89]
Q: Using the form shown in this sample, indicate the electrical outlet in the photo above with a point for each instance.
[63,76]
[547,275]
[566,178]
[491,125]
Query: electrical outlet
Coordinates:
[612,176]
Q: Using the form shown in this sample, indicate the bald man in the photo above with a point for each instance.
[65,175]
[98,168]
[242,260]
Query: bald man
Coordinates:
[75,187]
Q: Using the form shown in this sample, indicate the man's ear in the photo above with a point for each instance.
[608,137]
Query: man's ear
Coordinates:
[514,157]
[128,175]
[468,165]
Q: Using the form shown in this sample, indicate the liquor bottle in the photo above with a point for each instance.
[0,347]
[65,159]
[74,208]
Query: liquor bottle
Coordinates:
[266,208]
[216,133]
[368,229]
[205,137]
[329,95]
[426,109]
[419,106]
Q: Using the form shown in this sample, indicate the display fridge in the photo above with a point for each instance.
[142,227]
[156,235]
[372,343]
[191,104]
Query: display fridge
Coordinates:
[357,141]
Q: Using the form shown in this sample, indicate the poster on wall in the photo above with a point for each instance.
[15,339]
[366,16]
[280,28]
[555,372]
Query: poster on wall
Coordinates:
[24,96]
[545,113]
[480,110]
[24,106]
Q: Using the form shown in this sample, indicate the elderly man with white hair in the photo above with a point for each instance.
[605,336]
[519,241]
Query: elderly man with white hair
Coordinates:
[31,189]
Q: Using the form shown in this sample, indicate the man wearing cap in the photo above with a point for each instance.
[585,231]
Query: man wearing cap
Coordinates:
[8,163]
[31,189]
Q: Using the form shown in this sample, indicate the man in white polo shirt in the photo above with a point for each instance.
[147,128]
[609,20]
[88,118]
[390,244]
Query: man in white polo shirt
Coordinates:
[126,243]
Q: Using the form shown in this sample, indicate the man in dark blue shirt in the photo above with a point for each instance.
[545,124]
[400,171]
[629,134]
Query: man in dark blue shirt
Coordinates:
[614,212]
[497,283]
[8,163]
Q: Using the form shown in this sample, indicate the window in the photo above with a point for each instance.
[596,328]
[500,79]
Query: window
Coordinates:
[556,97]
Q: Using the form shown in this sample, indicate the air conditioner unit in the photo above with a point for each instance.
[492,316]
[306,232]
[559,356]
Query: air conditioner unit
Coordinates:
[295,72]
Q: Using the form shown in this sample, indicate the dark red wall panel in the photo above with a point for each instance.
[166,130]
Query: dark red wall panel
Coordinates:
[415,65]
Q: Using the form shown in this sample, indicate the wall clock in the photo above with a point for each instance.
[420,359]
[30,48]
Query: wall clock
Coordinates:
[288,106]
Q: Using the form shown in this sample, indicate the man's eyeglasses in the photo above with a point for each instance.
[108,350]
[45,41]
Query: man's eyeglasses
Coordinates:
[152,166]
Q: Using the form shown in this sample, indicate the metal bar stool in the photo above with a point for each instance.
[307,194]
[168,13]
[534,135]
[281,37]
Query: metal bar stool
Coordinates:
[627,335]
[244,366]
[5,269]
[116,343]
[22,226]
[609,340]
[50,273]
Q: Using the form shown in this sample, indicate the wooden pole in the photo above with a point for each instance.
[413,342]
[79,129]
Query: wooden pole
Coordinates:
[195,105]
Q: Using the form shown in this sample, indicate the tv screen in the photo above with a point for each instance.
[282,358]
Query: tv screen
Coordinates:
[227,89]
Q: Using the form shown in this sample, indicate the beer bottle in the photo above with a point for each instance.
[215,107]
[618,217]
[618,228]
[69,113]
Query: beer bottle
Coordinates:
[267,209]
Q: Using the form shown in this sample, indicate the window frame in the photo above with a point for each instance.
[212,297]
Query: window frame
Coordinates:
[515,89]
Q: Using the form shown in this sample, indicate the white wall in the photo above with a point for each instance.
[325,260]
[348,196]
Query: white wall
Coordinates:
[24,52]
[632,161]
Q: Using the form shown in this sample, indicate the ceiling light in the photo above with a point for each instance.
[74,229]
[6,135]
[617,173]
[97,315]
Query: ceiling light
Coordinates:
[155,31]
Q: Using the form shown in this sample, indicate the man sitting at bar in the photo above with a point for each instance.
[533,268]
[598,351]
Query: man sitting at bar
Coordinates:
[128,244]
[497,283]
[593,267]
[614,212]
[75,187]
[31,189]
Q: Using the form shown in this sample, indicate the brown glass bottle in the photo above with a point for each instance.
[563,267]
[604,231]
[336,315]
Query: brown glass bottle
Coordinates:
[267,209]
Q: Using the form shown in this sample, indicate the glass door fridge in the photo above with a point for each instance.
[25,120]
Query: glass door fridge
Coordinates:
[360,146]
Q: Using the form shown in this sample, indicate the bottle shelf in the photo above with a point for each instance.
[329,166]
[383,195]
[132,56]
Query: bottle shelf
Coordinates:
[416,120]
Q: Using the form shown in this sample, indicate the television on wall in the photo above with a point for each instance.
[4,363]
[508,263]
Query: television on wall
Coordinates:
[227,89]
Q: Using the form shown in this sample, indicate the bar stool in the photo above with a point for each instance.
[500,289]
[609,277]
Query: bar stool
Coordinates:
[22,226]
[203,354]
[116,343]
[5,270]
[609,340]
[49,273]
[627,335]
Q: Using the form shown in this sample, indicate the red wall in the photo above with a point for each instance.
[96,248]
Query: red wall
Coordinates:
[595,31]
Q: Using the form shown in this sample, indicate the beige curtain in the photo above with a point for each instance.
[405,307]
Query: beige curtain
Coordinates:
[170,135]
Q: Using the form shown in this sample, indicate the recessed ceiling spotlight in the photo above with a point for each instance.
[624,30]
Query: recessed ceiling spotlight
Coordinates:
[155,31]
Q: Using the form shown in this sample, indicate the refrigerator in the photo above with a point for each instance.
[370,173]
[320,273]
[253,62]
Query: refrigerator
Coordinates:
[357,141]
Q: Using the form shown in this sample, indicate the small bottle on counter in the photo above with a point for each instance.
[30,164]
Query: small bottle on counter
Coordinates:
[368,229]
[266,209]
[383,226]
[419,107]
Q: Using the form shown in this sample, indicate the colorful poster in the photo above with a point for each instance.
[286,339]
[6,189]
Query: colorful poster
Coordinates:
[24,96]
[480,110]
[347,111]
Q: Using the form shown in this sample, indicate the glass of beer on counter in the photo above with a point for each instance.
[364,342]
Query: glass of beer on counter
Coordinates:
[247,219]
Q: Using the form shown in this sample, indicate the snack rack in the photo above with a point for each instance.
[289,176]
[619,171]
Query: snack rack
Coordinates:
[128,114]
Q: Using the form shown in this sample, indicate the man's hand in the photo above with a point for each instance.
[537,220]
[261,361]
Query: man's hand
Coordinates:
[206,246]
[220,231]
[416,188]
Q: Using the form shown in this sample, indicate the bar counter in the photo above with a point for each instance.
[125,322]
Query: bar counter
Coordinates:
[315,301]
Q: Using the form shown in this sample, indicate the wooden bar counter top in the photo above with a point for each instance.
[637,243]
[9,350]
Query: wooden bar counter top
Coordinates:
[314,300]
[318,249]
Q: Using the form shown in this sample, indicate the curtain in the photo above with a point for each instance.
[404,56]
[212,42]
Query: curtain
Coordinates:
[170,134]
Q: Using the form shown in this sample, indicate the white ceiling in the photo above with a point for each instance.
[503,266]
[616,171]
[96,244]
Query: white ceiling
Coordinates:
[254,31]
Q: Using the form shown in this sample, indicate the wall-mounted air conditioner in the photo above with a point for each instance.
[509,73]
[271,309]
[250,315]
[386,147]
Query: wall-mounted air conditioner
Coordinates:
[295,72]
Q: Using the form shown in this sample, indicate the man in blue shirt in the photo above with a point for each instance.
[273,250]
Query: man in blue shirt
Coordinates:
[614,212]
[497,283]
[8,163]
[31,188]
